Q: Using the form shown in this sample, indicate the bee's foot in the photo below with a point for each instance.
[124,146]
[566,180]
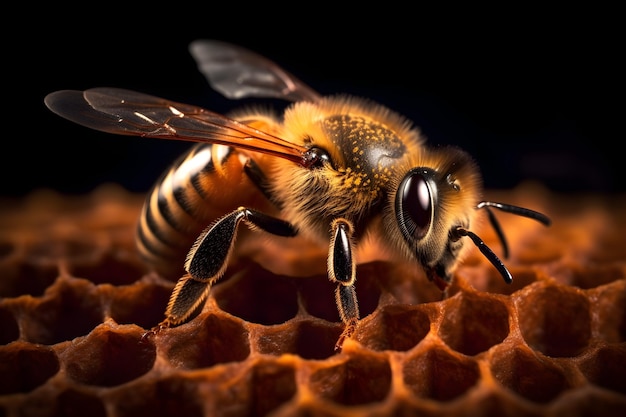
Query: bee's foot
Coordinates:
[165,324]
[347,333]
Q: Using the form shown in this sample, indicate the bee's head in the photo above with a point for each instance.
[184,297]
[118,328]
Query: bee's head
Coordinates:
[434,206]
[432,200]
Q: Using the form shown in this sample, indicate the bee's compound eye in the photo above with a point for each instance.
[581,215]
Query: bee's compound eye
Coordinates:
[414,205]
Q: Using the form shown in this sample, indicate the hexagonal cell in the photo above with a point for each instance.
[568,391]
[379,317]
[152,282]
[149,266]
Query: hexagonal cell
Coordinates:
[395,327]
[272,384]
[554,319]
[309,338]
[588,401]
[361,378]
[440,375]
[404,283]
[258,296]
[256,388]
[488,279]
[606,368]
[25,366]
[19,278]
[10,330]
[317,294]
[588,276]
[110,269]
[109,356]
[77,403]
[141,303]
[474,322]
[168,395]
[536,378]
[70,308]
[207,340]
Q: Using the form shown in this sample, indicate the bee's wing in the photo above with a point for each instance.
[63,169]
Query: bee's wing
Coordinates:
[237,72]
[126,112]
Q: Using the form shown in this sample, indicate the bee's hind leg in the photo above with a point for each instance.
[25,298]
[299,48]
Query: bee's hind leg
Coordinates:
[342,269]
[207,261]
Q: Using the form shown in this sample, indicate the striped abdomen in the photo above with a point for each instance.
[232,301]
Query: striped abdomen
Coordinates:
[201,186]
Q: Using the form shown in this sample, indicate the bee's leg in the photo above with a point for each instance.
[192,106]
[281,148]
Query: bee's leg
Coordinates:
[208,258]
[342,269]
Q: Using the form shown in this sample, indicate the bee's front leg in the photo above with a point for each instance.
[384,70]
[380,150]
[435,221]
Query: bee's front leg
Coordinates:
[342,269]
[208,258]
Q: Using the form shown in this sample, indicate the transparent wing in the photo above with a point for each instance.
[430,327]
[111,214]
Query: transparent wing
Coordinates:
[237,72]
[126,112]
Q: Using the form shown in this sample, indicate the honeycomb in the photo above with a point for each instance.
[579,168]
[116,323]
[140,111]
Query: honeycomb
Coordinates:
[76,302]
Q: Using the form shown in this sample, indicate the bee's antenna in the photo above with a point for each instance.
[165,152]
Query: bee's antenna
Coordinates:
[496,226]
[492,257]
[520,211]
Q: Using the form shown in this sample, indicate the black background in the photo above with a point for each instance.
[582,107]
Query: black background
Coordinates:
[531,94]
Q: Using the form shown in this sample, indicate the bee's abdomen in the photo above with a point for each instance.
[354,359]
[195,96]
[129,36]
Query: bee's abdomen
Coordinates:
[187,198]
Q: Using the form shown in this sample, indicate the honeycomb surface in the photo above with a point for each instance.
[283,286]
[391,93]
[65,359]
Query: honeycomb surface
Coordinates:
[76,301]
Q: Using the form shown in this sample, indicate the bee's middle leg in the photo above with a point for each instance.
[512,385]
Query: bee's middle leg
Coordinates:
[208,258]
[342,269]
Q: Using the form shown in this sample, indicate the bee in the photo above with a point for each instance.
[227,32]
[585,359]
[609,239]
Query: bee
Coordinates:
[335,170]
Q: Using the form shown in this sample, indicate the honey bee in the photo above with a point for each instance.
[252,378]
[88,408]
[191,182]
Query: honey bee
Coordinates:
[335,170]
